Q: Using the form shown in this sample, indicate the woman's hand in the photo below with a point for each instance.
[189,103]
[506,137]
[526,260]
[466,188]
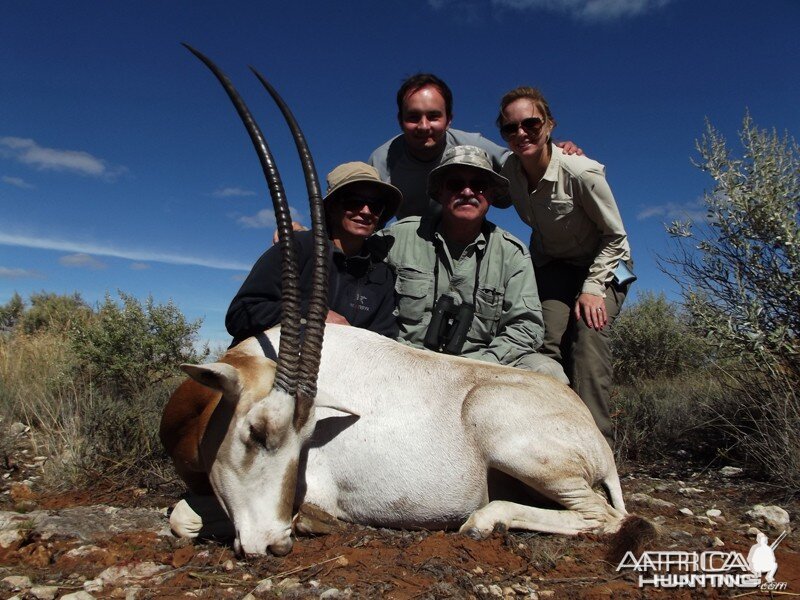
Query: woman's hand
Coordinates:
[592,309]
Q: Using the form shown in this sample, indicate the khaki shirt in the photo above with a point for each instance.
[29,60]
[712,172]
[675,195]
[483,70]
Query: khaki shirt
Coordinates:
[573,216]
[508,315]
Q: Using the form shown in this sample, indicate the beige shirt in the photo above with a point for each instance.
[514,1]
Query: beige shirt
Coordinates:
[573,216]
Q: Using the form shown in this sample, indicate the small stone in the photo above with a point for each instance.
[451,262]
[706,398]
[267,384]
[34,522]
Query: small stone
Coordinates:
[686,512]
[44,592]
[650,501]
[659,519]
[690,492]
[772,516]
[288,583]
[714,513]
[228,566]
[342,561]
[730,471]
[481,590]
[18,428]
[753,531]
[17,582]
[81,595]
[703,519]
[265,585]
[330,593]
[680,535]
[509,591]
[132,593]
[477,571]
[93,585]
[11,538]
[117,593]
[248,597]
[495,591]
[717,543]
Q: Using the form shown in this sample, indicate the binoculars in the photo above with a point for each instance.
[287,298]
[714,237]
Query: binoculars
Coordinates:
[449,325]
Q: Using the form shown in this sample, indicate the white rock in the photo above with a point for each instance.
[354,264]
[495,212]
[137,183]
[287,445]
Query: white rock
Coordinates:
[288,583]
[81,595]
[717,543]
[119,575]
[94,585]
[713,513]
[9,537]
[44,592]
[82,551]
[495,591]
[753,531]
[690,492]
[329,594]
[17,582]
[650,501]
[132,593]
[686,512]
[265,585]
[771,516]
[730,471]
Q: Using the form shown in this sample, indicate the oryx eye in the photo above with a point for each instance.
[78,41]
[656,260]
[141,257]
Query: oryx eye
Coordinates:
[258,436]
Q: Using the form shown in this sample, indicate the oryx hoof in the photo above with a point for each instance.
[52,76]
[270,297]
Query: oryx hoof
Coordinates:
[474,533]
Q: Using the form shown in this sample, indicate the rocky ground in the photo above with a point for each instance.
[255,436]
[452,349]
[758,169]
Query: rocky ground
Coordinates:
[114,542]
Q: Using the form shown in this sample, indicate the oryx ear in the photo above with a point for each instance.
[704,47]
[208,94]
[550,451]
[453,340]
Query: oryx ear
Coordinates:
[217,376]
[323,400]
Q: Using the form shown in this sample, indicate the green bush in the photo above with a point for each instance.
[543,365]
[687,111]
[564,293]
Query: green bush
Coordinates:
[740,272]
[131,346]
[653,338]
[92,383]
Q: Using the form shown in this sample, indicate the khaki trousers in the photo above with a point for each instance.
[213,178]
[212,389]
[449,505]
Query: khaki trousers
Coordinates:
[584,353]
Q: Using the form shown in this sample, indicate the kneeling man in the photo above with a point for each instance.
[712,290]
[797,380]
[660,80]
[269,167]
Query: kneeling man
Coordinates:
[465,286]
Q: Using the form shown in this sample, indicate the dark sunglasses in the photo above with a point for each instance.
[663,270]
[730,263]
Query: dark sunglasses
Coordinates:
[479,185]
[531,126]
[376,207]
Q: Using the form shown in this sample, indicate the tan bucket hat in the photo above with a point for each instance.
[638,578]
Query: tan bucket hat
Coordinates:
[474,157]
[358,172]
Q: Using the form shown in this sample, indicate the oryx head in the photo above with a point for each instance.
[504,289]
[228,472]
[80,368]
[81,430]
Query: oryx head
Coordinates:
[252,443]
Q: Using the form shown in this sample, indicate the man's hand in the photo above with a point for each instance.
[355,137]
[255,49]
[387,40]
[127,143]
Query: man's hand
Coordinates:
[334,317]
[569,148]
[592,309]
[295,225]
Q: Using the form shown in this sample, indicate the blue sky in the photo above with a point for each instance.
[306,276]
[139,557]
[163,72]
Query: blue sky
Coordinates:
[124,167]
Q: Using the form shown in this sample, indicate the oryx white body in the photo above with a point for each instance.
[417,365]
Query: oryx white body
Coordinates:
[424,431]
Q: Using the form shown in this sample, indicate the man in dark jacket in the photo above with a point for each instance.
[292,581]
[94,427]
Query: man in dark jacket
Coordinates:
[361,287]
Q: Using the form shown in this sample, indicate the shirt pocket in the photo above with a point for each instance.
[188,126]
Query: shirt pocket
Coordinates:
[413,290]
[488,308]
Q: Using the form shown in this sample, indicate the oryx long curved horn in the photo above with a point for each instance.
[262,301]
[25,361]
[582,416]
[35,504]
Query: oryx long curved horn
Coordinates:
[286,373]
[318,303]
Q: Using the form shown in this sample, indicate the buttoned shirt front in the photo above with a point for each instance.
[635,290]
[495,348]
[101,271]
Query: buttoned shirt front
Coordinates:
[573,216]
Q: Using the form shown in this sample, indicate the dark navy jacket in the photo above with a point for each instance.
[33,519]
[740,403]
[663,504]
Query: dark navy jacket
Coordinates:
[360,288]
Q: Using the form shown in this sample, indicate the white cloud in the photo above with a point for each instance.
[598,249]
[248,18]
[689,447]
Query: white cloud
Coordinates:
[586,10]
[266,218]
[263,218]
[82,260]
[17,182]
[7,273]
[8,239]
[28,152]
[694,210]
[231,192]
[139,266]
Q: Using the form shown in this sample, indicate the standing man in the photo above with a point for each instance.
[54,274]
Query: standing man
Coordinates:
[425,111]
[465,286]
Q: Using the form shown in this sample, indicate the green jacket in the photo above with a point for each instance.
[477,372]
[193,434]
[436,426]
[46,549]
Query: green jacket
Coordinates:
[508,314]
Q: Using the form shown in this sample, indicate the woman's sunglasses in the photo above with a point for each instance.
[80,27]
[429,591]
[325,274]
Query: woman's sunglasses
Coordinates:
[356,204]
[531,126]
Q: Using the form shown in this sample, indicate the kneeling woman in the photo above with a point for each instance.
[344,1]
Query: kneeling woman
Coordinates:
[577,243]
[360,287]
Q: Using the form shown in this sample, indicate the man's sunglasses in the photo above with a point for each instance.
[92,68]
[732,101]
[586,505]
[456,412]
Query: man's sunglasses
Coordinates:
[479,185]
[376,207]
[531,126]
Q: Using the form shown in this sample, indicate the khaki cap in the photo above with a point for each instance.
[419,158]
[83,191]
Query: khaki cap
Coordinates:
[474,157]
[358,172]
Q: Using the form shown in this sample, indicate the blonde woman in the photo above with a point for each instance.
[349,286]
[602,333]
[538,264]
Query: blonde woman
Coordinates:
[578,243]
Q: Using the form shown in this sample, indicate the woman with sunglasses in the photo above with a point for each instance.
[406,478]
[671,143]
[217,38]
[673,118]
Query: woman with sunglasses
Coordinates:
[577,244]
[360,286]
